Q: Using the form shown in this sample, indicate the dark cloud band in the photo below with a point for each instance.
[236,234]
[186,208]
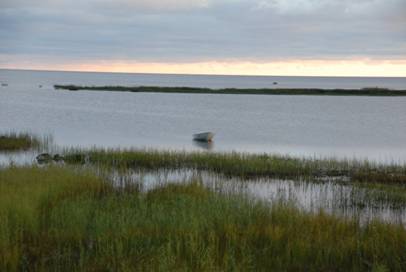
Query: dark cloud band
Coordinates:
[181,31]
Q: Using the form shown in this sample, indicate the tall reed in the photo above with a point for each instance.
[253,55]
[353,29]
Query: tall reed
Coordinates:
[242,165]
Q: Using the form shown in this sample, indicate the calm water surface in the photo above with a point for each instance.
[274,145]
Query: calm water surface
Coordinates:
[362,127]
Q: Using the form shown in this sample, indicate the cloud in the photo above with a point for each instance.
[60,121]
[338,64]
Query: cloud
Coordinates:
[156,5]
[332,7]
[203,30]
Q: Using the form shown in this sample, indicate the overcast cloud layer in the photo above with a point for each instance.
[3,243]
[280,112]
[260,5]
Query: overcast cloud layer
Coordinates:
[202,30]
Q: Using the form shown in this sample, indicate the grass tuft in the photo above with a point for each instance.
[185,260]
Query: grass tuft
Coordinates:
[18,142]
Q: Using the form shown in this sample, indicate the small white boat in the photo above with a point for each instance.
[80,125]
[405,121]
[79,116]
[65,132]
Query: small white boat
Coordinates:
[203,137]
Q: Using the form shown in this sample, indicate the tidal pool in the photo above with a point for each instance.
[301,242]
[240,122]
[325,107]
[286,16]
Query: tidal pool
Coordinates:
[335,196]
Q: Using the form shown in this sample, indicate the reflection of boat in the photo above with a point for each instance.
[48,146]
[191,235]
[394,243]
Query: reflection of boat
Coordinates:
[203,137]
[204,145]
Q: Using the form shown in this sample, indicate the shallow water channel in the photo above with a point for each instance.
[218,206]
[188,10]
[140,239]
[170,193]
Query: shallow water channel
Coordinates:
[333,196]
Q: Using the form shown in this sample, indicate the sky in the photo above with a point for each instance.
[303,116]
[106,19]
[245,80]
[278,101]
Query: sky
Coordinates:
[248,37]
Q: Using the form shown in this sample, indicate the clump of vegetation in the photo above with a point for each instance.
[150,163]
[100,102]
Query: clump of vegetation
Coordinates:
[57,218]
[270,91]
[18,142]
[375,89]
[378,195]
[243,165]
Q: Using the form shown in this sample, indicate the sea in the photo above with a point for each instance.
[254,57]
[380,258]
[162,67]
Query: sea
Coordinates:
[359,127]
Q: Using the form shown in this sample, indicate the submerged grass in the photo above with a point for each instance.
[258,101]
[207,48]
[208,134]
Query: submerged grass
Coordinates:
[18,141]
[378,195]
[62,220]
[243,165]
[375,91]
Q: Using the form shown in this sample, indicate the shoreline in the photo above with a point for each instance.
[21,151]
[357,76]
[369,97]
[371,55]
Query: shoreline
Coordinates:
[373,91]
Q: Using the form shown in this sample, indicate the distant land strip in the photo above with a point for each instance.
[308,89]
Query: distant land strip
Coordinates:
[373,91]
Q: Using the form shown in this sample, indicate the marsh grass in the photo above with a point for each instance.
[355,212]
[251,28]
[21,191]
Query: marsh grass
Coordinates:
[374,91]
[18,142]
[27,196]
[61,219]
[243,165]
[378,195]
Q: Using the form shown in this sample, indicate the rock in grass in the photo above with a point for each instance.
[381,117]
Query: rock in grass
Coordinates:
[44,158]
[47,158]
[57,158]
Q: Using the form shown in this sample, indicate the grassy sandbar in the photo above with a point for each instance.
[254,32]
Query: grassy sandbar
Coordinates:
[274,91]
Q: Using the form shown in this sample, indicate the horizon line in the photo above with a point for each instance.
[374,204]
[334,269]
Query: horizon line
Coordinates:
[188,74]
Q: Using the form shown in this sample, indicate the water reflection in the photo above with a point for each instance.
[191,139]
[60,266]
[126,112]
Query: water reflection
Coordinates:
[17,158]
[204,145]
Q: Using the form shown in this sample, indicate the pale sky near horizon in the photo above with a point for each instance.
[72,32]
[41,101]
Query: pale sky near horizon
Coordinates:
[252,37]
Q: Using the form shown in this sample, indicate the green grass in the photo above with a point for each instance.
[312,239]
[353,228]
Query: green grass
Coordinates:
[274,91]
[60,219]
[242,165]
[18,142]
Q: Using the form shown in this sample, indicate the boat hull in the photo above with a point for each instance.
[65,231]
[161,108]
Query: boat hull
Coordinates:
[203,137]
